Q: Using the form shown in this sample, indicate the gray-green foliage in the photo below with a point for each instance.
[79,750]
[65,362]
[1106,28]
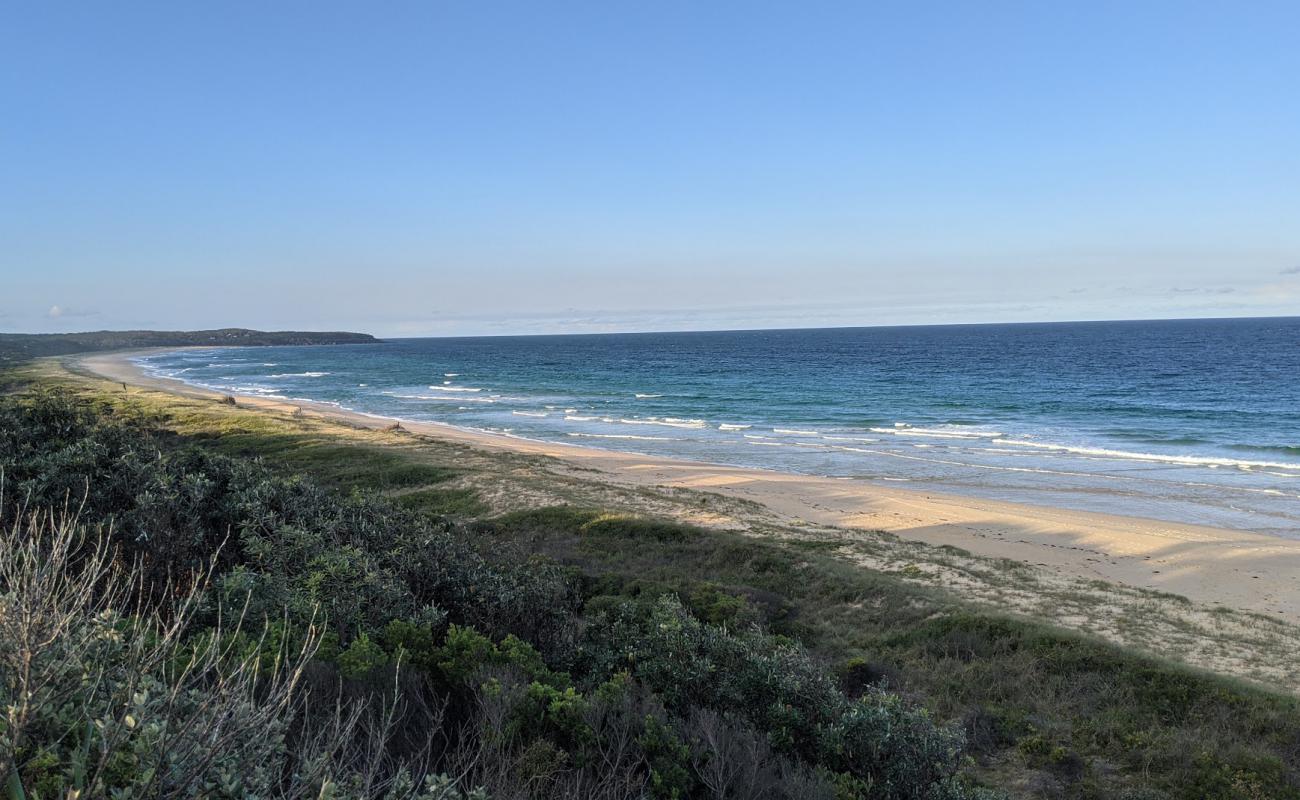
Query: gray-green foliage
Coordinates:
[101,703]
[894,748]
[358,559]
[387,649]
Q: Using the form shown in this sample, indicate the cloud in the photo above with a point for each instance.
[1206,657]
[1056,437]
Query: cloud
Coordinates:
[57,312]
[1291,271]
[1204,290]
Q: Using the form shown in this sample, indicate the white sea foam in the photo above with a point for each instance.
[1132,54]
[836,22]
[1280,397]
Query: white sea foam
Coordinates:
[849,439]
[450,374]
[456,388]
[299,375]
[1248,489]
[647,396]
[529,413]
[794,432]
[729,426]
[948,462]
[938,433]
[670,422]
[624,436]
[1194,461]
[574,418]
[445,397]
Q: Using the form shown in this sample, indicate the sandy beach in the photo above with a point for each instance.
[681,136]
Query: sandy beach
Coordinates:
[1241,570]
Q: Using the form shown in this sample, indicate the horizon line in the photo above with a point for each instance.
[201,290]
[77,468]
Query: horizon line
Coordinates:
[1022,323]
[844,327]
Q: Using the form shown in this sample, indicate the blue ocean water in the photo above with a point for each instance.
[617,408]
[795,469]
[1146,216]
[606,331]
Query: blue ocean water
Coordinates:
[1193,421]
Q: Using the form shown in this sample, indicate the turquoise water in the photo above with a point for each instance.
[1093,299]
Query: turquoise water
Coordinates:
[1193,421]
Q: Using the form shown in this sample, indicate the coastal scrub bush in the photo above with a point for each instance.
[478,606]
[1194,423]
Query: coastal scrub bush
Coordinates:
[231,631]
[358,559]
[98,702]
[780,690]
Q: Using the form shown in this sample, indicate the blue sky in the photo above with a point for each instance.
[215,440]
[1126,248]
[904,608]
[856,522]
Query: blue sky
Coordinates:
[487,167]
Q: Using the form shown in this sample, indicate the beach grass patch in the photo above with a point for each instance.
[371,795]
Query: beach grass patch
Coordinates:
[549,521]
[588,523]
[462,502]
[639,528]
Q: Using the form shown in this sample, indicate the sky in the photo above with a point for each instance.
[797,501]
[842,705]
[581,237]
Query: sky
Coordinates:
[481,167]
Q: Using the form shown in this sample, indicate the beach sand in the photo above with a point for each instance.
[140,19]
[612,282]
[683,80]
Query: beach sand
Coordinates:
[1240,570]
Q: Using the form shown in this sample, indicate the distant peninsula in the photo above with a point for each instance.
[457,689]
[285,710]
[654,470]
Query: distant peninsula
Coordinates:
[23,346]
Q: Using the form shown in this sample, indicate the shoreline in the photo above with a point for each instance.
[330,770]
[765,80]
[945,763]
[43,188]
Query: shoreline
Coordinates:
[1214,566]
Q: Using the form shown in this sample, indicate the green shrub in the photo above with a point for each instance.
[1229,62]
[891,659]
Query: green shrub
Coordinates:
[669,760]
[780,690]
[555,714]
[464,653]
[361,658]
[711,604]
[410,643]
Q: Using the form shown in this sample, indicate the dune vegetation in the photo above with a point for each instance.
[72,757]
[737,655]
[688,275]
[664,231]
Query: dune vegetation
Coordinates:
[202,600]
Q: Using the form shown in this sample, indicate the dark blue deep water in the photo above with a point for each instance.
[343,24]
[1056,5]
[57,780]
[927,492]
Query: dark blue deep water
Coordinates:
[1195,421]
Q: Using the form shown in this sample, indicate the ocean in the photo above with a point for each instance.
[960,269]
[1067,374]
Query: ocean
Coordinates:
[1189,420]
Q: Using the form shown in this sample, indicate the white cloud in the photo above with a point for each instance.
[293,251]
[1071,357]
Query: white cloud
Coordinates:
[57,311]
